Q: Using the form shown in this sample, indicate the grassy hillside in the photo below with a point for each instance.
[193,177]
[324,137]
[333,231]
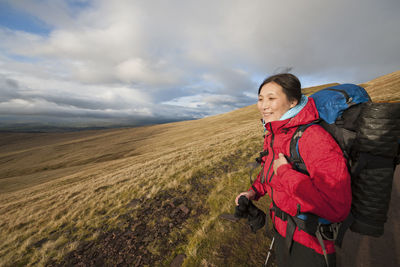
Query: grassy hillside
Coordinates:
[313,89]
[136,196]
[59,191]
[385,88]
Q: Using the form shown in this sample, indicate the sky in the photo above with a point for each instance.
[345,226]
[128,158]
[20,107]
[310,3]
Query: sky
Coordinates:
[144,62]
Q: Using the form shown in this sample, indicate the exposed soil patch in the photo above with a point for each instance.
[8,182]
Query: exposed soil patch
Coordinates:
[145,234]
[178,260]
[144,239]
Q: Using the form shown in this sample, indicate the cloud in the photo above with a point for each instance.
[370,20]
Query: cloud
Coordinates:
[186,59]
[8,89]
[93,101]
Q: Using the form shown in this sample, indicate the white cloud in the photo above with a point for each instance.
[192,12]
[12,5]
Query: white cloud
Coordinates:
[137,70]
[210,104]
[192,56]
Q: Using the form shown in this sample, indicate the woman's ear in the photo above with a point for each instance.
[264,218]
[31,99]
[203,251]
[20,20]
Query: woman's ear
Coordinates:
[293,103]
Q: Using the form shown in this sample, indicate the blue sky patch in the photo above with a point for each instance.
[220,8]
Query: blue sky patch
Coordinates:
[16,19]
[20,58]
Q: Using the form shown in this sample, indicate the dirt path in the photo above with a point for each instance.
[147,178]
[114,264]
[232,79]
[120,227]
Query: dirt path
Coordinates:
[364,251]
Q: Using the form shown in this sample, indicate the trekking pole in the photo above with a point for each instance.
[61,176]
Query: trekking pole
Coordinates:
[269,251]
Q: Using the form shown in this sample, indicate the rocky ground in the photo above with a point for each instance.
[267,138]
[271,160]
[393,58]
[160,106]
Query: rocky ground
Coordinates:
[144,239]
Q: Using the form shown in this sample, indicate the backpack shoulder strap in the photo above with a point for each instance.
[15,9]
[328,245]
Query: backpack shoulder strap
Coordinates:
[294,147]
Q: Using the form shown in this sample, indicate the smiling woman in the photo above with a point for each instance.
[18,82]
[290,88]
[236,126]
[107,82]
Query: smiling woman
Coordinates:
[293,194]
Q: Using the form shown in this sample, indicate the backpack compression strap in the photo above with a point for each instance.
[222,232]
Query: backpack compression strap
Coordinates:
[349,100]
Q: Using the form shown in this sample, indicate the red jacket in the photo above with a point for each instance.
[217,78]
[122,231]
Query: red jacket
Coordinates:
[326,192]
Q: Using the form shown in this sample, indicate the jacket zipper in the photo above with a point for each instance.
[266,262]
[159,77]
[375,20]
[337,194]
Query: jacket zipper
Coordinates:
[273,154]
[264,178]
[272,162]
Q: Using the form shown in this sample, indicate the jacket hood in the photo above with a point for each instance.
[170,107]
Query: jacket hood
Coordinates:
[307,115]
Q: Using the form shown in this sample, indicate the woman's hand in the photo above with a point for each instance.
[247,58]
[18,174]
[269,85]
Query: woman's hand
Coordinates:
[249,194]
[279,162]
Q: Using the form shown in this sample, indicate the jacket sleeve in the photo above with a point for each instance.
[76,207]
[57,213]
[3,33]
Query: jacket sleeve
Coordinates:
[327,191]
[258,187]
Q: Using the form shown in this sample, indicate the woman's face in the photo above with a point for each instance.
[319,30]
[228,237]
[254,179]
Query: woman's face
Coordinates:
[273,103]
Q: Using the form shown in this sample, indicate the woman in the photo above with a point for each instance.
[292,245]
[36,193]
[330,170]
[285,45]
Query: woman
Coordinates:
[325,192]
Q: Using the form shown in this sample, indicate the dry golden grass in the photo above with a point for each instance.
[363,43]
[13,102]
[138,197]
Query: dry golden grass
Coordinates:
[385,88]
[58,189]
[313,89]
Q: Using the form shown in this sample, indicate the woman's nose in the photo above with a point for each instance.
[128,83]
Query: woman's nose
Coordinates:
[265,105]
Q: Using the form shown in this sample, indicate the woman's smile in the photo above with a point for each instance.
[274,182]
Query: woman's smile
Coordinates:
[266,114]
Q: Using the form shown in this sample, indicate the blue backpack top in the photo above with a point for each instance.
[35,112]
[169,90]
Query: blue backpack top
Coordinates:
[332,101]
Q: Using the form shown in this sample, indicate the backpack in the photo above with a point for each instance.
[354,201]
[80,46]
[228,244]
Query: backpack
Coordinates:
[369,136]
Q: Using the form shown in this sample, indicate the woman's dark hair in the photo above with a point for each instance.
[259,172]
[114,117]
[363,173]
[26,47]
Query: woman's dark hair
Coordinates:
[290,84]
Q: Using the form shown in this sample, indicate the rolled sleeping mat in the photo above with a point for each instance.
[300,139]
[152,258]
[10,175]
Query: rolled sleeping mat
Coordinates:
[378,129]
[377,146]
[371,191]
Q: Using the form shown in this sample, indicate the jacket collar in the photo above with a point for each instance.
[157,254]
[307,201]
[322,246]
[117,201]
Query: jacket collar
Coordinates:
[307,115]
